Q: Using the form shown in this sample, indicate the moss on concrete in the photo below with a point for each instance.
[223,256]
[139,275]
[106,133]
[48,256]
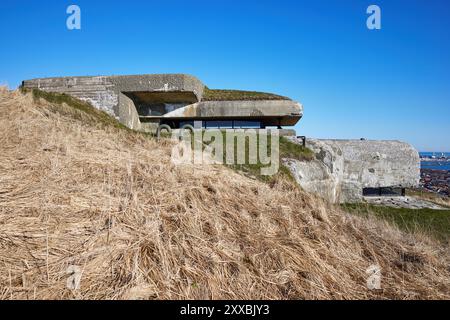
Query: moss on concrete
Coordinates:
[238,95]
[86,112]
[291,150]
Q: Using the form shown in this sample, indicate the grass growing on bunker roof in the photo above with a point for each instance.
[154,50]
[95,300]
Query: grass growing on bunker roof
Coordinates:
[238,95]
[86,112]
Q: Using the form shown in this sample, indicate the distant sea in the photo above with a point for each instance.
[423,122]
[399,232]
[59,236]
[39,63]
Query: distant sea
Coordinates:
[435,165]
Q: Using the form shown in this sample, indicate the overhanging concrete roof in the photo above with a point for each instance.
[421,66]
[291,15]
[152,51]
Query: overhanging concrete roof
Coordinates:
[118,95]
[159,83]
[284,112]
[132,83]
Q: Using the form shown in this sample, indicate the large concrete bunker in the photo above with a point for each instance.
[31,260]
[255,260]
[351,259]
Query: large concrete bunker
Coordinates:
[343,170]
[144,102]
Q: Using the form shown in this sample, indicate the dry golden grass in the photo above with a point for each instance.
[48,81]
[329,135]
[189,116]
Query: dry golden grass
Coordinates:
[112,203]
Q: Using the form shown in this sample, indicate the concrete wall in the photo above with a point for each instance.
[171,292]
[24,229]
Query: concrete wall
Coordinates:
[120,95]
[105,93]
[99,91]
[342,168]
[159,83]
[127,112]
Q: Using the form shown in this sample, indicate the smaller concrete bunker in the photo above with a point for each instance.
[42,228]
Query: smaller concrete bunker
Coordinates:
[346,171]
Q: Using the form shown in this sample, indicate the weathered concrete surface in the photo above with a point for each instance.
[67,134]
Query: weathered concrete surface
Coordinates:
[160,83]
[99,91]
[271,112]
[107,92]
[342,168]
[142,101]
[127,112]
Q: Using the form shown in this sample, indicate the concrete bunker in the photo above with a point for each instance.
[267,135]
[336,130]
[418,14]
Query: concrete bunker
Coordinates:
[144,102]
[346,171]
[343,170]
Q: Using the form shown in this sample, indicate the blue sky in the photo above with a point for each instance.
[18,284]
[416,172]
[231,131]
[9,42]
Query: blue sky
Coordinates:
[392,83]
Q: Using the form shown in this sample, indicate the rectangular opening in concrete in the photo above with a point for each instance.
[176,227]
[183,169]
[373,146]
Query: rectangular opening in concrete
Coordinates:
[384,192]
[232,124]
[160,103]
[213,124]
[221,124]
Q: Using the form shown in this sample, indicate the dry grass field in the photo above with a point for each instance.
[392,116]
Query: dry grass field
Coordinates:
[76,193]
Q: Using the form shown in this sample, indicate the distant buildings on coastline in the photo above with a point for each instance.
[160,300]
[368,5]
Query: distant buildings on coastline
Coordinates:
[439,156]
[437,181]
[435,172]
[435,160]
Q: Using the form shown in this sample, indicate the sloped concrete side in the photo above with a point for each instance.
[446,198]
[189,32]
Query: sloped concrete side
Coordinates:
[159,83]
[127,113]
[342,168]
[105,92]
[99,91]
[314,177]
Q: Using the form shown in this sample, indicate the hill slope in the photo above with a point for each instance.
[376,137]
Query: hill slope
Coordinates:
[75,193]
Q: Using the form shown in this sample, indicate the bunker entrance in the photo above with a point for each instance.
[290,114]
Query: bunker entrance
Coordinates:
[150,103]
[384,192]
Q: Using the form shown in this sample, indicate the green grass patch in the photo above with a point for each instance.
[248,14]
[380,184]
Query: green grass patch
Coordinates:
[287,149]
[291,150]
[238,95]
[435,223]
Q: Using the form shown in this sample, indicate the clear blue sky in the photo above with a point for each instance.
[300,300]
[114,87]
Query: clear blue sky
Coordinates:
[392,83]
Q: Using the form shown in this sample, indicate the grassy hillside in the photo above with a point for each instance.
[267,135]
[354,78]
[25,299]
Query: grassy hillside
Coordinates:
[80,194]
